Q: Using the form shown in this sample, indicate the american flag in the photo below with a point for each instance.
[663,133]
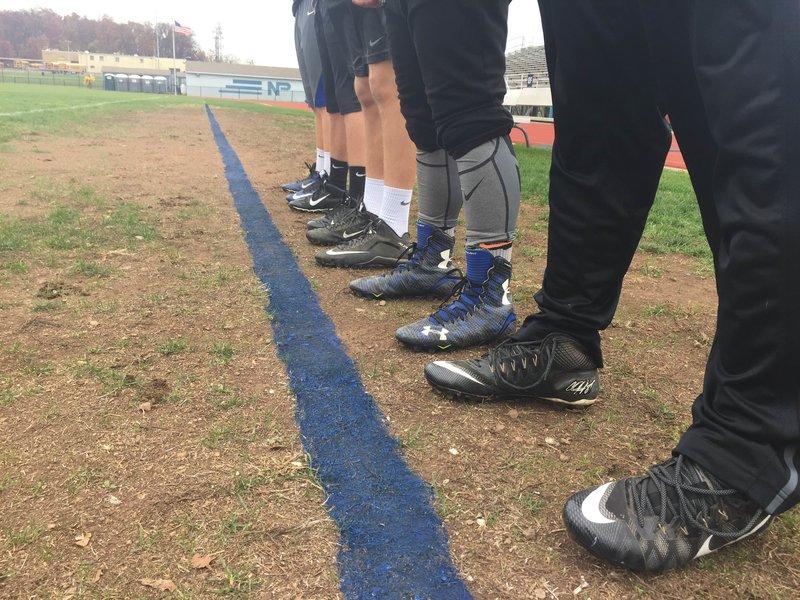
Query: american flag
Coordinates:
[182,30]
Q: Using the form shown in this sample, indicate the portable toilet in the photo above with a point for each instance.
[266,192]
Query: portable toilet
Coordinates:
[109,83]
[134,83]
[147,84]
[121,81]
[160,84]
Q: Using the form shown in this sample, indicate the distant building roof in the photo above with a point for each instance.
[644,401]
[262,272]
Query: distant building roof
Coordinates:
[216,68]
[128,71]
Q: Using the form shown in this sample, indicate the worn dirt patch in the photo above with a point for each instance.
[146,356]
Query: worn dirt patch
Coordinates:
[501,494]
[144,417]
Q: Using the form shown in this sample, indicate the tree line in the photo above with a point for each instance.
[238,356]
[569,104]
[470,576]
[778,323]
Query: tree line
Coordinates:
[25,33]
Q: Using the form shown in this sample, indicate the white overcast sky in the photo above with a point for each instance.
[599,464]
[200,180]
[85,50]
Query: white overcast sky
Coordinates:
[261,32]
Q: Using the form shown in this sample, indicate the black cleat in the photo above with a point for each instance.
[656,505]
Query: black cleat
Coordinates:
[344,225]
[379,246]
[302,185]
[325,198]
[557,369]
[675,514]
[348,206]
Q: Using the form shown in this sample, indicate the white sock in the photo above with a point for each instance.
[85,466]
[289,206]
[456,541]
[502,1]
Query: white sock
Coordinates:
[373,195]
[395,209]
[320,160]
[326,163]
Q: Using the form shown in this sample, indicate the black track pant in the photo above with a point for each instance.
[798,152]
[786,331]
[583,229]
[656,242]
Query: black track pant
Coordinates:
[727,73]
[449,56]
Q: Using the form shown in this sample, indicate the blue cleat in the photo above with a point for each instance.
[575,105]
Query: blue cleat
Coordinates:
[429,272]
[481,310]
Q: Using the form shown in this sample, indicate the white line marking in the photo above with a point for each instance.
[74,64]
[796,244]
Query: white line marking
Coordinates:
[59,108]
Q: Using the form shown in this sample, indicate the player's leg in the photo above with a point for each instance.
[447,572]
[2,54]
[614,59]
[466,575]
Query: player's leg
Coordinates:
[429,271]
[310,73]
[339,101]
[611,142]
[736,467]
[460,46]
[373,192]
[377,245]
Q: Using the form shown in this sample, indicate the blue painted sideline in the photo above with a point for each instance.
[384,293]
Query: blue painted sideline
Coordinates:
[392,544]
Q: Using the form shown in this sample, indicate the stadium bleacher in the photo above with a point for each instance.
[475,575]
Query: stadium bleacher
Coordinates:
[523,63]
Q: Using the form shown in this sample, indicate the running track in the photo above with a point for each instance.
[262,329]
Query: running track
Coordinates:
[539,133]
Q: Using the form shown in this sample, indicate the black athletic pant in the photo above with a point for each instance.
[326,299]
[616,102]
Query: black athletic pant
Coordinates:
[449,57]
[727,73]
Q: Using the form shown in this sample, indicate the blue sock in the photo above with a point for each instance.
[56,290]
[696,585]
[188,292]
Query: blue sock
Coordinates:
[479,261]
[424,232]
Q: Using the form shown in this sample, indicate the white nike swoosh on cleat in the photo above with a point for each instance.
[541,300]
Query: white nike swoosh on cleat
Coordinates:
[457,370]
[347,236]
[591,506]
[308,185]
[376,42]
[344,252]
[301,196]
[706,549]
[315,202]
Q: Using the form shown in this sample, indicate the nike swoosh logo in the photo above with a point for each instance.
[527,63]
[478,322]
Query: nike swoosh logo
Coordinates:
[315,202]
[335,167]
[344,252]
[347,236]
[591,506]
[313,12]
[405,203]
[308,185]
[362,175]
[458,371]
[707,548]
[376,42]
[301,196]
[468,196]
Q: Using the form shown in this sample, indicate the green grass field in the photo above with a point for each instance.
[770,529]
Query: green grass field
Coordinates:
[674,224]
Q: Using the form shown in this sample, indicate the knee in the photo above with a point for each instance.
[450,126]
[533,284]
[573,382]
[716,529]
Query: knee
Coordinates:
[384,87]
[364,92]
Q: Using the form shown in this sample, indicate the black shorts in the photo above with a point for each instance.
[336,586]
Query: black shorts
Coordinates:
[331,17]
[372,45]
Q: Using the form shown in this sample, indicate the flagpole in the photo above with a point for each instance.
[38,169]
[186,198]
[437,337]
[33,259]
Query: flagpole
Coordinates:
[158,46]
[174,59]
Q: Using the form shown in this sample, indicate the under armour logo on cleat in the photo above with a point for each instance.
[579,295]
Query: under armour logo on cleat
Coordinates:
[427,331]
[506,292]
[446,261]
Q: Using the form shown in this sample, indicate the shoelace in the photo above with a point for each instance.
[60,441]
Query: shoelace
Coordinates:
[691,499]
[464,299]
[511,360]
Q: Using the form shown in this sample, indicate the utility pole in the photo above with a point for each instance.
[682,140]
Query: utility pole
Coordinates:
[174,60]
[218,43]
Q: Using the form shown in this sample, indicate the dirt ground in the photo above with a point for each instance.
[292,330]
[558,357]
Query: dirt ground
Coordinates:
[141,401]
[144,405]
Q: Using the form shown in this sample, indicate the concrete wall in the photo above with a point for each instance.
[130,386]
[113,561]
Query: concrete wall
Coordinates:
[244,87]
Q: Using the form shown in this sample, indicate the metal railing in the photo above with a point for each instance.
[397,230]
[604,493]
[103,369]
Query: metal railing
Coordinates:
[34,77]
[518,82]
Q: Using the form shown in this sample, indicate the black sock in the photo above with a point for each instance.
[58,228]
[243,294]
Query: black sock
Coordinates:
[358,179]
[338,175]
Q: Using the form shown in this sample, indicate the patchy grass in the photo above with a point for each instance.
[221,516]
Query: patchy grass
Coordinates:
[171,347]
[674,224]
[66,108]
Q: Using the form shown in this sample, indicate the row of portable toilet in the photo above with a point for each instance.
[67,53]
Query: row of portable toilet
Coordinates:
[135,83]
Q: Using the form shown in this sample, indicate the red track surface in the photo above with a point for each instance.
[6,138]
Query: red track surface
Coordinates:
[543,134]
[539,134]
